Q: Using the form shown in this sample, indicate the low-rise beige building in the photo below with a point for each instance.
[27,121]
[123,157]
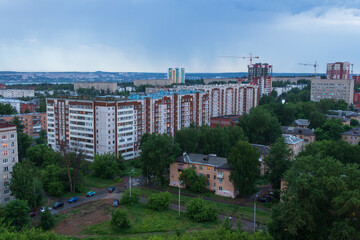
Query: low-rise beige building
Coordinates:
[304,133]
[295,144]
[352,136]
[214,168]
[100,86]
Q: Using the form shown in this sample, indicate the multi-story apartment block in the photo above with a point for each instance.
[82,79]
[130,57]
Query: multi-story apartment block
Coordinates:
[100,86]
[16,93]
[224,121]
[332,89]
[214,168]
[33,122]
[115,124]
[176,75]
[15,103]
[152,82]
[338,70]
[260,74]
[8,158]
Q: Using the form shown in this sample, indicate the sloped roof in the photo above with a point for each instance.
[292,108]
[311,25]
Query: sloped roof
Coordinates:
[264,150]
[353,132]
[290,139]
[210,160]
[301,122]
[297,130]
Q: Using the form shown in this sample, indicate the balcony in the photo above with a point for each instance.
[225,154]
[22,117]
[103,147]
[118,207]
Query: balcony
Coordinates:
[220,174]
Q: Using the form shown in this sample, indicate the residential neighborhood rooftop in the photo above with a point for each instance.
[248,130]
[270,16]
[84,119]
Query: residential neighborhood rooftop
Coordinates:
[263,150]
[210,160]
[297,130]
[301,122]
[290,139]
[353,132]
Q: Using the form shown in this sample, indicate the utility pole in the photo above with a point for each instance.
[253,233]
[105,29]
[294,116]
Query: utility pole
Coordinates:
[255,212]
[179,195]
[130,180]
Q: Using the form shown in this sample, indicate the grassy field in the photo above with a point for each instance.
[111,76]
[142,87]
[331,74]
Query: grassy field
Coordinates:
[224,208]
[130,165]
[144,220]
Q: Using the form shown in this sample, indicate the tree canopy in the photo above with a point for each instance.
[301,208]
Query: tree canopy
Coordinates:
[244,161]
[107,166]
[321,201]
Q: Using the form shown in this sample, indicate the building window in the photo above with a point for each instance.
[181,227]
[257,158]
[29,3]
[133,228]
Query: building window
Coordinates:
[208,168]
[6,176]
[12,135]
[214,176]
[7,199]
[7,191]
[200,174]
[200,167]
[220,188]
[214,184]
[6,169]
[208,175]
[220,180]
[3,137]
[5,153]
[5,160]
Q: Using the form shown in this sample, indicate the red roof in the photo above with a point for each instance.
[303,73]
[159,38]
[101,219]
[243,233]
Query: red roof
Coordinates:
[6,125]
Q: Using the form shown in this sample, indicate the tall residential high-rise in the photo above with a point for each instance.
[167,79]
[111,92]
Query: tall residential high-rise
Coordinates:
[8,158]
[116,124]
[177,75]
[260,74]
[338,70]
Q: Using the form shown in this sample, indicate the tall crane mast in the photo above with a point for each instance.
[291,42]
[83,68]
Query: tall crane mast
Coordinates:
[250,57]
[315,65]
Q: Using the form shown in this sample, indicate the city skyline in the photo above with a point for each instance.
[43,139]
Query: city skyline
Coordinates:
[151,36]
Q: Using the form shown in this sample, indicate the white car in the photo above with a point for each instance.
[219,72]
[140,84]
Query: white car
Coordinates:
[42,209]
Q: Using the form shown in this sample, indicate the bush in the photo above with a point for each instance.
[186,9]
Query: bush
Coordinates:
[126,199]
[159,201]
[47,220]
[227,224]
[199,210]
[16,213]
[119,219]
[118,179]
[193,181]
[55,189]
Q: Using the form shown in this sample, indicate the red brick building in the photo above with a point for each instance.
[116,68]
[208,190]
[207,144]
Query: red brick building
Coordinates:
[2,86]
[224,121]
[33,122]
[357,99]
[29,106]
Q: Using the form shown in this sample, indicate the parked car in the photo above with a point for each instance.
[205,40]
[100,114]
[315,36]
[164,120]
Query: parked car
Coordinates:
[73,199]
[33,214]
[111,189]
[91,193]
[116,203]
[42,209]
[58,204]
[265,198]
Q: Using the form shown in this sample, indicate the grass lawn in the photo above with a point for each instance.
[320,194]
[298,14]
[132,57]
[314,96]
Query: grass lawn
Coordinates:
[95,182]
[129,165]
[242,212]
[144,220]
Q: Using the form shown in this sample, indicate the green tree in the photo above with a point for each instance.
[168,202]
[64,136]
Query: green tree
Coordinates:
[42,107]
[199,210]
[354,123]
[260,127]
[321,201]
[24,186]
[17,213]
[277,162]
[107,166]
[187,138]
[24,142]
[157,152]
[47,220]
[119,219]
[244,161]
[330,130]
[18,123]
[159,201]
[193,181]
[7,109]
[127,199]
[41,155]
[54,179]
[316,119]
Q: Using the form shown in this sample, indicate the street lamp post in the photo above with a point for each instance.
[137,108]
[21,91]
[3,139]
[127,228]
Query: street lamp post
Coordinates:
[179,195]
[130,179]
[255,212]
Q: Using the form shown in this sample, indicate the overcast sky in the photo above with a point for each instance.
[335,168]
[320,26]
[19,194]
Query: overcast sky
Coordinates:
[152,35]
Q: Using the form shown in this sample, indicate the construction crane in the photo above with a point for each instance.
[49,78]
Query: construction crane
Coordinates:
[315,65]
[251,57]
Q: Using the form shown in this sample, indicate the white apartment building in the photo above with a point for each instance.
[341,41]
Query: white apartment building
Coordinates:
[116,124]
[8,158]
[16,93]
[13,102]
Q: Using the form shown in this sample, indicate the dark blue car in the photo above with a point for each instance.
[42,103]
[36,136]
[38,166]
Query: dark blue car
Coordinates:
[73,199]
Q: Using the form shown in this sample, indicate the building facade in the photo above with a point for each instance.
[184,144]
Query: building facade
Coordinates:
[352,136]
[224,121]
[29,107]
[332,89]
[260,74]
[8,158]
[176,75]
[33,122]
[116,124]
[153,82]
[17,93]
[100,86]
[306,134]
[214,168]
[295,144]
[15,103]
[338,70]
